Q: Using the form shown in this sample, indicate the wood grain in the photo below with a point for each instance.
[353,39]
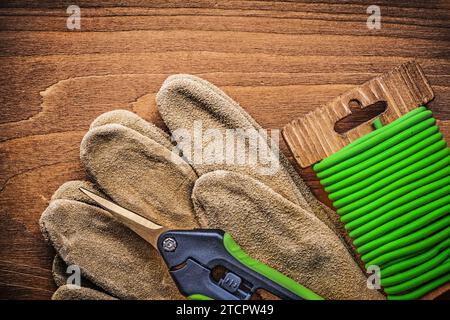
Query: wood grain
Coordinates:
[279,60]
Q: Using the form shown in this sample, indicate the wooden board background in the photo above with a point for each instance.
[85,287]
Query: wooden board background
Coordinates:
[278,59]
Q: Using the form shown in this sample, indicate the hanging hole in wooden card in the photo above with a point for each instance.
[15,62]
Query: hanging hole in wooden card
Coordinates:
[359,115]
[314,136]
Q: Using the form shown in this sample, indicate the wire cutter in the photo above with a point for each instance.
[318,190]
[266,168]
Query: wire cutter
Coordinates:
[207,263]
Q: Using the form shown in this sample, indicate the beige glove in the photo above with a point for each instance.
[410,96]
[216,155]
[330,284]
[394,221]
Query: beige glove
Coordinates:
[131,162]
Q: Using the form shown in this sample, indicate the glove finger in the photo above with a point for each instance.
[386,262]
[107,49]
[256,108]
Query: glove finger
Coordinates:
[184,100]
[70,190]
[71,292]
[61,273]
[140,174]
[109,255]
[280,233]
[67,291]
[133,121]
[59,268]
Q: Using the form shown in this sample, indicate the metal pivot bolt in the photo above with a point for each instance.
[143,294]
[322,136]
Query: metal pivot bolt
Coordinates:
[169,244]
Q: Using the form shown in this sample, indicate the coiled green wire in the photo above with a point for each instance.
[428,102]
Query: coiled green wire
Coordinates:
[391,189]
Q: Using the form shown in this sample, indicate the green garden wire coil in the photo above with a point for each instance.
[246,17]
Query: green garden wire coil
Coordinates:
[391,189]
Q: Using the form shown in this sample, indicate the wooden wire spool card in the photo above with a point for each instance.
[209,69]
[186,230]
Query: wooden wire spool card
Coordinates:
[313,137]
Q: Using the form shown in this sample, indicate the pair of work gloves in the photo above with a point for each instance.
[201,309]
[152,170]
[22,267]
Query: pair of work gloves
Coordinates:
[273,217]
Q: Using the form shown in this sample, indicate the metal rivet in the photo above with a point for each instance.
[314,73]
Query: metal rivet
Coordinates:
[169,244]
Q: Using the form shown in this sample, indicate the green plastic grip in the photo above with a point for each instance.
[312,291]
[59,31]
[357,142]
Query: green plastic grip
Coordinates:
[235,250]
[199,297]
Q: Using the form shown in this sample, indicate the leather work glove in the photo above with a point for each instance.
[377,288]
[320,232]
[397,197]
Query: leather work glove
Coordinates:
[274,218]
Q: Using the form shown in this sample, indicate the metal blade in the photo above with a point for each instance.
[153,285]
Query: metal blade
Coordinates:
[145,228]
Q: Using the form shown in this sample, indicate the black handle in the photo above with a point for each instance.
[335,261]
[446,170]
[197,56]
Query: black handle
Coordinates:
[191,255]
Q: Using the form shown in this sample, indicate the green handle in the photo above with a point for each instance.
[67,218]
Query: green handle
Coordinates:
[199,297]
[233,248]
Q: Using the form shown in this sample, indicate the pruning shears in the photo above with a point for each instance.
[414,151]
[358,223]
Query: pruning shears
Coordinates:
[207,263]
